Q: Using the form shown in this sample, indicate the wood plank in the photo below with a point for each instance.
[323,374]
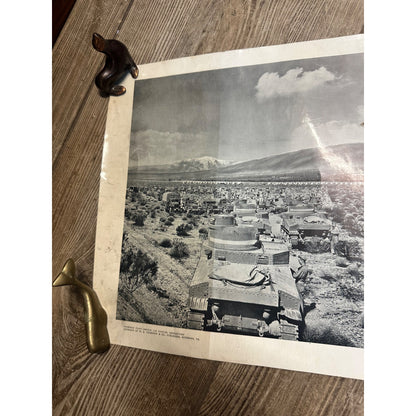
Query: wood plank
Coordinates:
[212,26]
[266,391]
[75,63]
[136,385]
[127,381]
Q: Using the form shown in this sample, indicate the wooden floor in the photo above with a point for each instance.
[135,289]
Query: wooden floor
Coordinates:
[126,381]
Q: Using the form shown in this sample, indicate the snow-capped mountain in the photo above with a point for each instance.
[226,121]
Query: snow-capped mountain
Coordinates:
[188,165]
[344,162]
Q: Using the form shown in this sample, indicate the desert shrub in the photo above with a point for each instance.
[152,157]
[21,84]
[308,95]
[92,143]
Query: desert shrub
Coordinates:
[354,270]
[323,333]
[193,221]
[351,289]
[179,250]
[126,260]
[136,267]
[168,223]
[349,219]
[326,275]
[162,293]
[341,262]
[182,230]
[153,214]
[171,219]
[316,245]
[138,218]
[353,226]
[166,243]
[350,249]
[203,233]
[337,213]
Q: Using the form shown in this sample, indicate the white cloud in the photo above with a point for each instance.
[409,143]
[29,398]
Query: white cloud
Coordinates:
[271,85]
[330,133]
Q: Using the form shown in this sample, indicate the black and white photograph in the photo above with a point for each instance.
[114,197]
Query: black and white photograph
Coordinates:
[244,204]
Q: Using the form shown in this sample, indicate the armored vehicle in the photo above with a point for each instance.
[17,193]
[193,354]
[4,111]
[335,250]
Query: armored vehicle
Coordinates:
[243,285]
[244,209]
[300,223]
[171,201]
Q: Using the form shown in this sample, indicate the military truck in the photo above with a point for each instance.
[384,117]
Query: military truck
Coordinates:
[243,285]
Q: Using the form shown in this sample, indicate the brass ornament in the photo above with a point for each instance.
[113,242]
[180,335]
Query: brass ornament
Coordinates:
[95,316]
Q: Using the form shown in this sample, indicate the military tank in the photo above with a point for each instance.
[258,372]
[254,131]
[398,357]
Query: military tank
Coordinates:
[244,285]
[302,222]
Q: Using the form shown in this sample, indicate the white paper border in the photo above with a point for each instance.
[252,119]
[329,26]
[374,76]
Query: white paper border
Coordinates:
[300,356]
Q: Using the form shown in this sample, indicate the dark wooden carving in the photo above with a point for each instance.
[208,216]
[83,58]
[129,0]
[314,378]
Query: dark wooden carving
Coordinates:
[118,61]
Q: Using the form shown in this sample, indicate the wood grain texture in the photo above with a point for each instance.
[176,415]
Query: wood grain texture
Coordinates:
[75,63]
[127,381]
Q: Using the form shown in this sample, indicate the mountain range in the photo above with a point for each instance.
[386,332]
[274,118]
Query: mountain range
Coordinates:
[344,162]
[187,165]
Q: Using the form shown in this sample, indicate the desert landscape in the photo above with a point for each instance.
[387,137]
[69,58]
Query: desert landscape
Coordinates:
[162,242]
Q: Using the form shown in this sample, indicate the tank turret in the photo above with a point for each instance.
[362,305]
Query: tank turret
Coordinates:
[301,223]
[243,285]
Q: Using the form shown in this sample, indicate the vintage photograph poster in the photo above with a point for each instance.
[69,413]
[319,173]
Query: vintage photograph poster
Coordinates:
[231,212]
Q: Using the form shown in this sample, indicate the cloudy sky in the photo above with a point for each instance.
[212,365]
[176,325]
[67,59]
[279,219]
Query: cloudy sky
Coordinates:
[249,112]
